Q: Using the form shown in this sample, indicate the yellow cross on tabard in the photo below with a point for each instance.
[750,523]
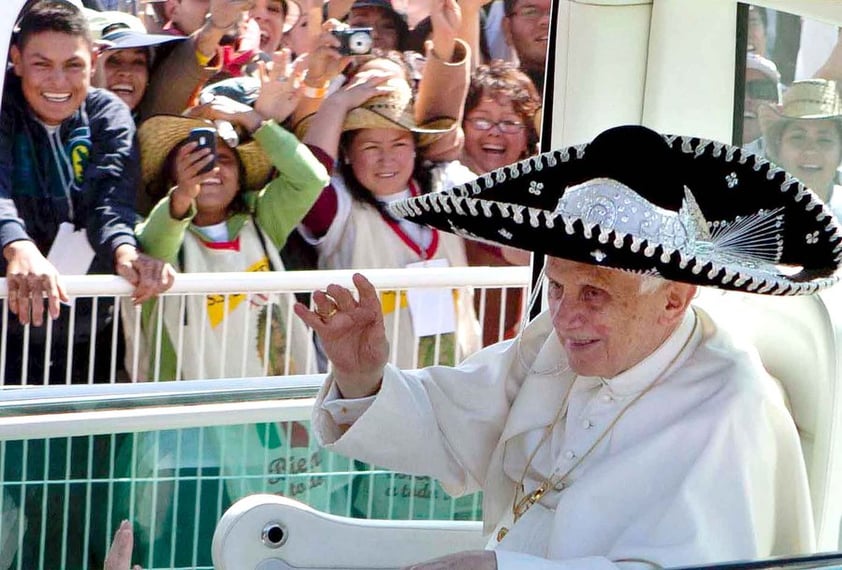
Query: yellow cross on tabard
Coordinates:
[216,303]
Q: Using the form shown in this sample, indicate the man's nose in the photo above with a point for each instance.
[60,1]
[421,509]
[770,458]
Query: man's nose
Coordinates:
[57,76]
[568,315]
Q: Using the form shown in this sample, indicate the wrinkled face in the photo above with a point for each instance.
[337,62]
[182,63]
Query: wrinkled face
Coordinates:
[219,192]
[382,159]
[605,325]
[385,34]
[811,150]
[125,72]
[269,15]
[504,143]
[527,30]
[189,15]
[55,72]
[760,90]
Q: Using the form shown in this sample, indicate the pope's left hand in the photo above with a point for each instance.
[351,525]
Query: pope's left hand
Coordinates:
[468,560]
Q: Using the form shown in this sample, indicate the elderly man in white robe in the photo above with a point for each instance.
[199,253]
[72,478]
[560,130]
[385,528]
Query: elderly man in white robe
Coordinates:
[622,427]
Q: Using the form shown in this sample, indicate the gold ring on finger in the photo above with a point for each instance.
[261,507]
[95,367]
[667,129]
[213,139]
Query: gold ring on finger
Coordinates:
[325,316]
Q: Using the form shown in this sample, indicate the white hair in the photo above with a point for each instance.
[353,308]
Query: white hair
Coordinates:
[650,284]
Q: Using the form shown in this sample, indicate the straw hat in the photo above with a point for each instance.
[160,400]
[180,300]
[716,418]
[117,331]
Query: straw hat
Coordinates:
[682,208]
[159,135]
[807,99]
[394,110]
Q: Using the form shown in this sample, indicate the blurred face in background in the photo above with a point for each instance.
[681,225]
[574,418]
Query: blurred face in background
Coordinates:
[495,135]
[756,32]
[125,72]
[811,150]
[385,33]
[298,39]
[269,16]
[189,15]
[526,29]
[759,90]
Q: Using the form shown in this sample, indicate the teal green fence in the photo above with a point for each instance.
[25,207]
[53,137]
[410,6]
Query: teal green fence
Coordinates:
[62,498]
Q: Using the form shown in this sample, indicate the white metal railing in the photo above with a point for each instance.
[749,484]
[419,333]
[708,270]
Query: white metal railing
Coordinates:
[145,447]
[45,412]
[183,336]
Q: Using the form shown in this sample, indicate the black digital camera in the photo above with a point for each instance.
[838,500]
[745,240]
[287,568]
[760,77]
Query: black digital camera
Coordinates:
[354,41]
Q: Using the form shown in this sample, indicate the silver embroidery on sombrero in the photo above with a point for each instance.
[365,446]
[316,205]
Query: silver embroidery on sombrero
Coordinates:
[751,245]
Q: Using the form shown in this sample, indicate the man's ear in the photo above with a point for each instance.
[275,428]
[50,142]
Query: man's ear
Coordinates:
[94,57]
[676,301]
[16,57]
[506,24]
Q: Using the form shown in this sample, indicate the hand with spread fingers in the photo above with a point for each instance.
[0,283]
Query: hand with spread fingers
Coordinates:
[30,278]
[353,335]
[279,87]
[149,276]
[119,556]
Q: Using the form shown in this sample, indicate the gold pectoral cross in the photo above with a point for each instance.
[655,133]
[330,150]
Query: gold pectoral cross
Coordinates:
[525,503]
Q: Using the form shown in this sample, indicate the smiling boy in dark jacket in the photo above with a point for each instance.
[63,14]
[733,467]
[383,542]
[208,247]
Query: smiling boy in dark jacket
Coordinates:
[68,175]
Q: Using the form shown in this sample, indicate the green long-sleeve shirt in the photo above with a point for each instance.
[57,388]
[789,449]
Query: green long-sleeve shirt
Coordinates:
[278,207]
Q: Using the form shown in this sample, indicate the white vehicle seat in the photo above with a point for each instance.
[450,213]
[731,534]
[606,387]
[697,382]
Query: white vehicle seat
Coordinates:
[798,340]
[268,532]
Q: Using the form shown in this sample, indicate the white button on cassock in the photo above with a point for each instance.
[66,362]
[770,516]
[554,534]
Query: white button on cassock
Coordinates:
[569,454]
[587,424]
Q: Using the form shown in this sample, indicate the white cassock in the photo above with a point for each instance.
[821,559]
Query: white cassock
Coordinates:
[705,467]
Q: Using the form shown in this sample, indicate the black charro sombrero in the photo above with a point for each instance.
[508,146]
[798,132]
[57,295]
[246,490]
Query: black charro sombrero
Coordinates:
[682,208]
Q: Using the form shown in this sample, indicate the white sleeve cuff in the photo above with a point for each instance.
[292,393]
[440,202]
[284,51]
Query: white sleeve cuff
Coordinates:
[345,411]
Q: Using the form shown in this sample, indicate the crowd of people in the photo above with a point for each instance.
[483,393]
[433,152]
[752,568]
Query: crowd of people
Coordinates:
[317,132]
[101,175]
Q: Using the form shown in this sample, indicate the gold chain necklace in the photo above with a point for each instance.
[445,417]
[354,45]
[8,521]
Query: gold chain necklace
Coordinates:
[522,504]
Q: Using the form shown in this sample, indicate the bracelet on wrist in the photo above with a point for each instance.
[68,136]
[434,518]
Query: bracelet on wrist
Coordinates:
[315,92]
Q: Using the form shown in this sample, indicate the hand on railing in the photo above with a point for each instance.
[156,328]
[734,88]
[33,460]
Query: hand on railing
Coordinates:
[353,335]
[31,277]
[150,276]
[119,556]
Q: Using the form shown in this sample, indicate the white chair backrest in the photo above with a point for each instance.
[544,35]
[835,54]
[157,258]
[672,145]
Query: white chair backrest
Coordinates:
[268,532]
[798,339]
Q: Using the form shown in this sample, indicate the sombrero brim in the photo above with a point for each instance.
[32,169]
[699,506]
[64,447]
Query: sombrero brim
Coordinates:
[766,232]
[363,118]
[160,134]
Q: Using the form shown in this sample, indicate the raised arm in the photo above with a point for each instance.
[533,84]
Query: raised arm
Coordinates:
[325,127]
[444,86]
[470,29]
[323,66]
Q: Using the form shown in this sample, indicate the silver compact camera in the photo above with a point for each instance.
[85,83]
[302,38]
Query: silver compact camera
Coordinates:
[354,41]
